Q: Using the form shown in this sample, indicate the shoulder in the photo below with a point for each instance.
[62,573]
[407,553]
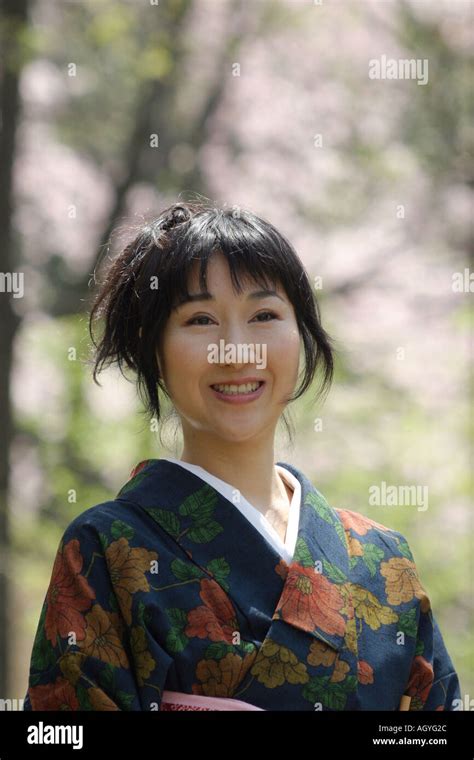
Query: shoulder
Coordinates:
[116,513]
[381,557]
[357,530]
[107,526]
[92,521]
[115,526]
[360,529]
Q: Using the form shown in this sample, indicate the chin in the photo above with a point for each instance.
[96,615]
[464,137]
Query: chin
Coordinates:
[237,436]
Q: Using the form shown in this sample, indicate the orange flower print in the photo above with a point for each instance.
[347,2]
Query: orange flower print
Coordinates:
[340,671]
[309,601]
[144,662]
[354,546]
[365,672]
[59,695]
[276,665]
[350,638]
[68,596]
[359,523]
[420,679]
[216,620]
[100,701]
[402,582]
[321,654]
[127,568]
[102,639]
[368,608]
[220,678]
[282,569]
[70,665]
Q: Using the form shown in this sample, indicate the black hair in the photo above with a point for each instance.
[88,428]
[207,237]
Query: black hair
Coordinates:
[162,253]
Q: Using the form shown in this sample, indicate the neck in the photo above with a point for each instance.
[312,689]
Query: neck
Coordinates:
[247,467]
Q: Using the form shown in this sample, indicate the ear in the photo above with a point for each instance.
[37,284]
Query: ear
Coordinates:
[140,332]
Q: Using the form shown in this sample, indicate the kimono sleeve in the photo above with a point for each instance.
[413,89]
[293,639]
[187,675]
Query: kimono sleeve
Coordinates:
[89,645]
[433,683]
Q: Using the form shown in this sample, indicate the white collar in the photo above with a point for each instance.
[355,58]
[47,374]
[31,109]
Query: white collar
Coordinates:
[285,549]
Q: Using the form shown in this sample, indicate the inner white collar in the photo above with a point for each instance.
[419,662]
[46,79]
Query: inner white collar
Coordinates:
[259,521]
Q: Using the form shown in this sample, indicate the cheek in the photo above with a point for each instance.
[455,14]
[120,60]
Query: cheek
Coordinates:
[284,353]
[185,359]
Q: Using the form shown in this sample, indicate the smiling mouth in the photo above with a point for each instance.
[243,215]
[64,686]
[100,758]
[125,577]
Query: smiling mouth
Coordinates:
[245,389]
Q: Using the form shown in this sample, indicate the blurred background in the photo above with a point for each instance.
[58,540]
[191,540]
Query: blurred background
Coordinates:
[110,111]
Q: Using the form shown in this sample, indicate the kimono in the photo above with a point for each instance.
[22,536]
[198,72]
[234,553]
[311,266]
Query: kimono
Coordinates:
[169,597]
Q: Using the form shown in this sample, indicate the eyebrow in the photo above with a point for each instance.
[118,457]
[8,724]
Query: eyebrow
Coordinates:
[206,296]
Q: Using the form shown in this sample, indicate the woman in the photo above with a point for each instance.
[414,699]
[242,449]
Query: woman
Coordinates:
[222,580]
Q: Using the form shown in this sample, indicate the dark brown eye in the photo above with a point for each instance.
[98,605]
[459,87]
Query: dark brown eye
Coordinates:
[193,320]
[271,314]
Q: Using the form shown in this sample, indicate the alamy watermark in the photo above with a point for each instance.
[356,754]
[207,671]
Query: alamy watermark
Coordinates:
[11,704]
[47,734]
[12,282]
[403,68]
[397,496]
[237,353]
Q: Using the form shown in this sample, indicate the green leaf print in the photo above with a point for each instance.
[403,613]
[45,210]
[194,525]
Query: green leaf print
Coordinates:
[141,614]
[168,520]
[43,656]
[302,554]
[177,617]
[407,622]
[125,699]
[339,528]
[219,568]
[176,639]
[200,504]
[185,571]
[420,647]
[217,650]
[133,483]
[204,531]
[198,507]
[83,697]
[353,562]
[107,677]
[333,572]
[331,695]
[321,507]
[372,556]
[405,550]
[120,529]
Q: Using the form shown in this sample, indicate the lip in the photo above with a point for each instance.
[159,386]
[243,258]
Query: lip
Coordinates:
[239,398]
[239,381]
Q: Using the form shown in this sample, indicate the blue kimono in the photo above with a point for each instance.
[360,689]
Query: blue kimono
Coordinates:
[169,589]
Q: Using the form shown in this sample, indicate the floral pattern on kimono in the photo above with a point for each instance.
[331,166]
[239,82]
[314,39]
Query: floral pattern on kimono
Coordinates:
[169,587]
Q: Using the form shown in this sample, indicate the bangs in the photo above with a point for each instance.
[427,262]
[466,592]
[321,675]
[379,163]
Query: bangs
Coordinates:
[253,254]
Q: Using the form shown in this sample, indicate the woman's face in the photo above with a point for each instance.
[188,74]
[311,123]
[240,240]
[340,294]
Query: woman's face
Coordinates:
[236,321]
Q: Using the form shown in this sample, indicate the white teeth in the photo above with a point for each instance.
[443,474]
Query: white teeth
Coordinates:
[236,389]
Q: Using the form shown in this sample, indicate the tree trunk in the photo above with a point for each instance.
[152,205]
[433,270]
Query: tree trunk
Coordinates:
[14,16]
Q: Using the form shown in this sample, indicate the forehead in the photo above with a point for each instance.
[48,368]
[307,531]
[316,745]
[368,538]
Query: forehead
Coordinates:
[218,277]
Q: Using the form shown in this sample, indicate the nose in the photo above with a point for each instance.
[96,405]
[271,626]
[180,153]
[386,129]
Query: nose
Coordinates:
[231,337]
[234,334]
